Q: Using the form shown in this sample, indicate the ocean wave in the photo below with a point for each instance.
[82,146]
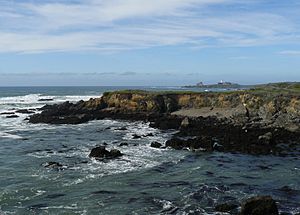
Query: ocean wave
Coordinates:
[10,136]
[39,98]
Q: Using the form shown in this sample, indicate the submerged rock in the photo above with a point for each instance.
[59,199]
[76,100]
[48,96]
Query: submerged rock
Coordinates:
[226,207]
[45,100]
[260,205]
[135,136]
[24,111]
[12,116]
[123,144]
[7,113]
[121,129]
[101,152]
[53,164]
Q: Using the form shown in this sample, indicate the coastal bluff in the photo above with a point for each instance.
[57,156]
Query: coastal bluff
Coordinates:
[277,110]
[251,121]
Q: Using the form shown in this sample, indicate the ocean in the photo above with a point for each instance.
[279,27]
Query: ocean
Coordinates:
[145,180]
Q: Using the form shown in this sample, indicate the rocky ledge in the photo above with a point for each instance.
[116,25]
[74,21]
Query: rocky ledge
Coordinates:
[255,121]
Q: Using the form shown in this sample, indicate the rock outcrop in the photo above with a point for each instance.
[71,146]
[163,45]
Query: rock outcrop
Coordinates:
[245,121]
[101,152]
[260,205]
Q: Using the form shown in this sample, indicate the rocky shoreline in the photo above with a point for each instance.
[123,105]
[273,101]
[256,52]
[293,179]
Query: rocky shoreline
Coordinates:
[238,122]
[243,121]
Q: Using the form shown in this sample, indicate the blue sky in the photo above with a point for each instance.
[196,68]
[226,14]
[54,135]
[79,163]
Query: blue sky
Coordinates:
[143,42]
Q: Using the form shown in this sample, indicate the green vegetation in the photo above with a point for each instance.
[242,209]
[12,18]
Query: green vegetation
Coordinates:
[278,88]
[268,89]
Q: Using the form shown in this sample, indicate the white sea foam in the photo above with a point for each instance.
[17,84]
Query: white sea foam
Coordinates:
[27,99]
[34,98]
[30,101]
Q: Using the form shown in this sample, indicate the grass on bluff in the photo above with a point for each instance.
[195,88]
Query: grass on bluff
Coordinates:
[155,93]
[278,88]
[270,89]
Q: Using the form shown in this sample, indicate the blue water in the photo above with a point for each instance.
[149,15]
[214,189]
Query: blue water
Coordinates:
[144,181]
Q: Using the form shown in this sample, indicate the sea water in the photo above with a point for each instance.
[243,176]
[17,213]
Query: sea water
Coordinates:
[143,181]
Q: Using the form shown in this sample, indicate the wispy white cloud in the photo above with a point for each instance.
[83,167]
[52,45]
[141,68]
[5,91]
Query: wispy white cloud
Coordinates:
[240,58]
[290,52]
[116,25]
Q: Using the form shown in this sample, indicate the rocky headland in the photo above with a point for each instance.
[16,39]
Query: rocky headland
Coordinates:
[264,120]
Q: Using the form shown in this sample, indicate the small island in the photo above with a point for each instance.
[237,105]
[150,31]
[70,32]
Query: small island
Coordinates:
[220,84]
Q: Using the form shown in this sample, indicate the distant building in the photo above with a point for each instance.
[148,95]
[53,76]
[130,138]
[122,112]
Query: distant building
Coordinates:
[200,84]
[226,83]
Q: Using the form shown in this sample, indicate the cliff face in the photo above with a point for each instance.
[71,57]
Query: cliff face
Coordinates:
[246,121]
[271,109]
[169,102]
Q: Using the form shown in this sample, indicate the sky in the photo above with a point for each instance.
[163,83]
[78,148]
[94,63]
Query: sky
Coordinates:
[148,42]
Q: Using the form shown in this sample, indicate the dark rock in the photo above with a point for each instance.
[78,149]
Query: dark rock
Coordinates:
[266,139]
[123,144]
[45,100]
[175,143]
[218,147]
[54,196]
[226,207]
[101,152]
[38,206]
[24,111]
[260,205]
[121,129]
[149,135]
[53,164]
[12,116]
[103,192]
[252,133]
[166,122]
[114,153]
[156,145]
[135,136]
[203,143]
[7,113]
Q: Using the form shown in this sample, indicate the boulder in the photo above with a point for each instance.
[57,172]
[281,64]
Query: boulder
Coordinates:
[101,152]
[123,144]
[266,139]
[135,136]
[185,122]
[176,143]
[114,153]
[155,145]
[260,205]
